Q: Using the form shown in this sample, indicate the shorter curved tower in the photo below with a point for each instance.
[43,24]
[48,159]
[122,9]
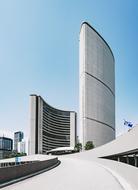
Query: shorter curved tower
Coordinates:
[97,88]
[50,127]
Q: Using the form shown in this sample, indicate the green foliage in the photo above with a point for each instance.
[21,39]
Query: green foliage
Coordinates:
[78,147]
[89,145]
[15,154]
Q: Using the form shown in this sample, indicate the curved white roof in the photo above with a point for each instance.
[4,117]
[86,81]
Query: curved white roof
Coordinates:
[61,149]
[86,171]
[123,143]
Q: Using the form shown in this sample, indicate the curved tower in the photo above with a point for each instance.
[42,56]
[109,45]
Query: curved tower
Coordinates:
[97,88]
[50,127]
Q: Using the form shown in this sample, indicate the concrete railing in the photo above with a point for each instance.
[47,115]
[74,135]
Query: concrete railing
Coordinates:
[15,172]
[10,164]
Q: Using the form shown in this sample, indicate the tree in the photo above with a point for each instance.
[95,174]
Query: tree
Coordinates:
[78,147]
[89,145]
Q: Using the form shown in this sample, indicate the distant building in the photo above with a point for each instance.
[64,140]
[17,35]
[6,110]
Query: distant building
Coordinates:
[61,151]
[18,136]
[50,127]
[6,146]
[21,147]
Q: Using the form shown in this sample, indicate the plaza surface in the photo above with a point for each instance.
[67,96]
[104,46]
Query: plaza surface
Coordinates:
[86,170]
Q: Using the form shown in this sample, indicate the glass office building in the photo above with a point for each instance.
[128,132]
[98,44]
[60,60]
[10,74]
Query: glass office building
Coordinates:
[6,146]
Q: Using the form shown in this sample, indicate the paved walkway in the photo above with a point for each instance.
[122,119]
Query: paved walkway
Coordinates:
[71,174]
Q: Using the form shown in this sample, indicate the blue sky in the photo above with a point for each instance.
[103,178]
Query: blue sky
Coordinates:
[39,53]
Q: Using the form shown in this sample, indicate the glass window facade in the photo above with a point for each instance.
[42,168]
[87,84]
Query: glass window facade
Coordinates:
[18,136]
[6,143]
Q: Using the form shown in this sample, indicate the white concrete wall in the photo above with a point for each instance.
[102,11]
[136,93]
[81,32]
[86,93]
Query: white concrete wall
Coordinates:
[40,124]
[32,124]
[21,147]
[72,129]
[97,88]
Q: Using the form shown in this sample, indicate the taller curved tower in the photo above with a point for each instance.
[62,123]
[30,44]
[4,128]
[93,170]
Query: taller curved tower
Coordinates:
[97,88]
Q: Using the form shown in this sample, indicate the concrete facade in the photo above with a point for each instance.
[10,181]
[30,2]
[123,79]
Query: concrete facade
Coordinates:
[97,88]
[50,127]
